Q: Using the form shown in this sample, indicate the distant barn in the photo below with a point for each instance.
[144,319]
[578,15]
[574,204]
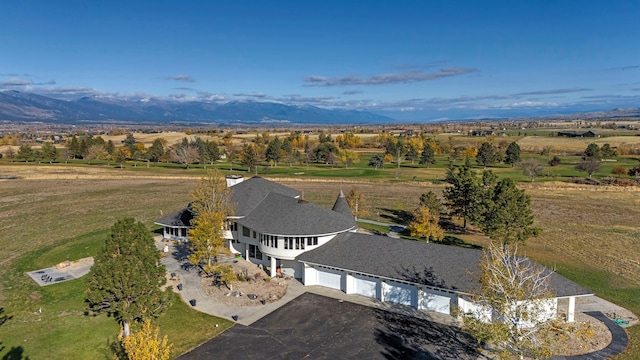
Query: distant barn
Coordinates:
[589,133]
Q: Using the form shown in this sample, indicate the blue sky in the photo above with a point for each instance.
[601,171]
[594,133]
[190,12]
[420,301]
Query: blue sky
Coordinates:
[414,60]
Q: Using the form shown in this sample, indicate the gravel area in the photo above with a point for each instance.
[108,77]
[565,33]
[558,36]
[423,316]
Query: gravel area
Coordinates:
[257,283]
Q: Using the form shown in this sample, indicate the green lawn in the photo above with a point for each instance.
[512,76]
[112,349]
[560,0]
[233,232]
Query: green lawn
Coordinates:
[63,330]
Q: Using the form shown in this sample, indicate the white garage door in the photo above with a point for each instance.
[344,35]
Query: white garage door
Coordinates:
[399,293]
[437,303]
[365,285]
[330,278]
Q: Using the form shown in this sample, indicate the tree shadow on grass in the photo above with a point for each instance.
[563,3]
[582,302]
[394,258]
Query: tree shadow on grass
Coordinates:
[15,353]
[397,216]
[405,337]
[449,226]
[454,241]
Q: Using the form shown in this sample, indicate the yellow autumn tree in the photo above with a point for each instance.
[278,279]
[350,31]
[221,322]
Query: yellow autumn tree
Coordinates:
[210,203]
[145,344]
[425,224]
[355,199]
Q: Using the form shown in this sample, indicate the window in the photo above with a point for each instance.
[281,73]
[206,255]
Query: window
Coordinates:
[246,231]
[299,243]
[309,241]
[254,234]
[254,252]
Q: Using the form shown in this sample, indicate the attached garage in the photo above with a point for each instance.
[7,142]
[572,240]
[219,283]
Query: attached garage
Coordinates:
[433,300]
[364,285]
[399,293]
[329,277]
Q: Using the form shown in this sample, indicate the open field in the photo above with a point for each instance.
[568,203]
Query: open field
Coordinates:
[58,213]
[559,143]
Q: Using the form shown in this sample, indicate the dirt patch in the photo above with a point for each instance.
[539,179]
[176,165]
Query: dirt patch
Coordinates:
[255,281]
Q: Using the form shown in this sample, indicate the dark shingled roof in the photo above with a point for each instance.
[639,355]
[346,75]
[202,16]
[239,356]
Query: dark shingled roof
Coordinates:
[342,206]
[249,193]
[179,218]
[441,266]
[283,215]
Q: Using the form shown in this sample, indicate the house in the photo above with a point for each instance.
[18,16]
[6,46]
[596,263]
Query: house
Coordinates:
[273,227]
[589,133]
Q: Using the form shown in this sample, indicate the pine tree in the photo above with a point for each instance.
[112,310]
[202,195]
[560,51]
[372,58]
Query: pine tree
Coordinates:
[512,155]
[428,155]
[464,193]
[506,216]
[126,277]
[487,154]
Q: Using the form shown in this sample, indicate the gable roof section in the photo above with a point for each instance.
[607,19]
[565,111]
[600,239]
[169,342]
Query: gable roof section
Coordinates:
[441,266]
[342,206]
[279,214]
[180,218]
[251,192]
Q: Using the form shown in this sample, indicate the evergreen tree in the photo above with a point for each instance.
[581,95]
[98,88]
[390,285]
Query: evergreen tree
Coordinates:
[512,155]
[74,147]
[156,150]
[25,152]
[592,151]
[49,152]
[464,193]
[428,155]
[431,200]
[274,151]
[377,161]
[127,274]
[130,142]
[607,152]
[487,154]
[506,216]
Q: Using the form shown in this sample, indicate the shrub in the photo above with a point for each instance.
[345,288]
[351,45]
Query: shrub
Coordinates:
[554,161]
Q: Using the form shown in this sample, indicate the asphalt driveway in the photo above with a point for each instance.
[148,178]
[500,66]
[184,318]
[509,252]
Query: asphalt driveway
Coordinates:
[316,327]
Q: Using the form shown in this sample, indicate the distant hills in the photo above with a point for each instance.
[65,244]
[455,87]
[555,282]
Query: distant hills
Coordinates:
[21,106]
[29,107]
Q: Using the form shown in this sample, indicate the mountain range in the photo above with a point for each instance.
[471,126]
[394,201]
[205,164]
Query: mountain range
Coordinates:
[30,107]
[22,106]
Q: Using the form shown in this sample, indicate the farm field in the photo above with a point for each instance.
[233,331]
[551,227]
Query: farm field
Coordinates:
[57,213]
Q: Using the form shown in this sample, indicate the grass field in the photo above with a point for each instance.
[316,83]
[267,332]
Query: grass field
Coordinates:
[56,213]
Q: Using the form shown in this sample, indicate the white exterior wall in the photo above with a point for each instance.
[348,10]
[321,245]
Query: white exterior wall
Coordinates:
[290,268]
[281,253]
[480,312]
[309,276]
